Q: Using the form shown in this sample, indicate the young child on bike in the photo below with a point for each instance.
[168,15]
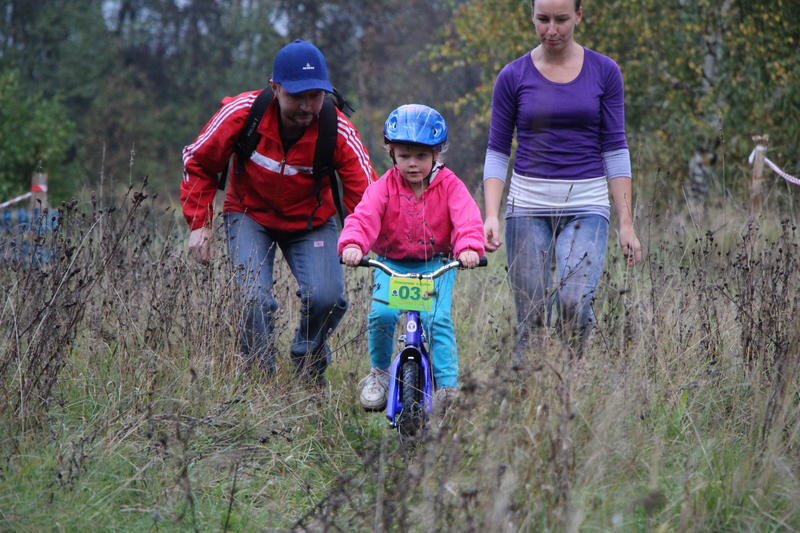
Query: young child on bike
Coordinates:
[416,213]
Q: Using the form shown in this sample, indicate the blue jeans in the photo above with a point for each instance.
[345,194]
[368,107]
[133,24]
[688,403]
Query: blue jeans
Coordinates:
[312,258]
[577,245]
[437,323]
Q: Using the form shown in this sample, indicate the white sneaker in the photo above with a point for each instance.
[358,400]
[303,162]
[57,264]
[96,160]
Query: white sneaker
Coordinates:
[374,388]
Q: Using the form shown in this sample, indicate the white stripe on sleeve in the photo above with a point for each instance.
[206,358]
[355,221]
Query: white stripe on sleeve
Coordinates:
[216,121]
[352,140]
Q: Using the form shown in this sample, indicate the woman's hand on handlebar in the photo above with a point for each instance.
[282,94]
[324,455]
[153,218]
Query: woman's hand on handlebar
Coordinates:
[469,258]
[352,256]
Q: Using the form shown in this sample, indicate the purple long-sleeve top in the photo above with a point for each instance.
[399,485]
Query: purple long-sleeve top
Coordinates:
[562,128]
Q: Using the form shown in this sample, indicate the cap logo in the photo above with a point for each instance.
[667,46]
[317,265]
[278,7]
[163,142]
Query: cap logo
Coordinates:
[308,66]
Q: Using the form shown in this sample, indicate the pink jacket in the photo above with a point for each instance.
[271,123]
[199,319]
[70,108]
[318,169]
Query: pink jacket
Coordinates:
[390,221]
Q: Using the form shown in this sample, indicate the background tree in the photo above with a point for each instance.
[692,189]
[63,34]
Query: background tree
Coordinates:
[178,59]
[701,77]
[378,56]
[34,135]
[50,71]
[138,78]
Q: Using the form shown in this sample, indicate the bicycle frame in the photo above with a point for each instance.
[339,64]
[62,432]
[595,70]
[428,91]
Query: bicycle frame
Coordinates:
[414,349]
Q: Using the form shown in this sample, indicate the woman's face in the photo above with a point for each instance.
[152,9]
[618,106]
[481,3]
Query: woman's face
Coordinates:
[555,22]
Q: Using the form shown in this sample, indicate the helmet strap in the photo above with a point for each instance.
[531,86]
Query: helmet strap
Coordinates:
[434,168]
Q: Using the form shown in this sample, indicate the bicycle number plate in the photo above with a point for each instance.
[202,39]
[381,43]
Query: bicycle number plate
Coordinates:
[411,294]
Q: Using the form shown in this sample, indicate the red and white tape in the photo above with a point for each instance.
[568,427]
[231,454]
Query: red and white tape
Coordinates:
[34,188]
[773,166]
[15,200]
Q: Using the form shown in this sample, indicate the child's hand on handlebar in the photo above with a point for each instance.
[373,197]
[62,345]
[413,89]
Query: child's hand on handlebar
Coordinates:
[469,258]
[352,255]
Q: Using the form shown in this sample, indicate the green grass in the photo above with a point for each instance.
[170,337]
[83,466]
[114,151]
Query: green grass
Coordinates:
[150,425]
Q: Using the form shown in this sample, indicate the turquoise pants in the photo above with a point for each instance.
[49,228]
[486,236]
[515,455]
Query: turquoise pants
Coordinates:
[437,322]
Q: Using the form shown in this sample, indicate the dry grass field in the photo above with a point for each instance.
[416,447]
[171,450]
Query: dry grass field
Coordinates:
[123,405]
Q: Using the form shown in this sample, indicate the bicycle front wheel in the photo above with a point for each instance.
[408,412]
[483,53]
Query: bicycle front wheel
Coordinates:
[411,415]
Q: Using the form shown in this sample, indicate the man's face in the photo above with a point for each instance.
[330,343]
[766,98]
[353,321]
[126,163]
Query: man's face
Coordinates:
[299,109]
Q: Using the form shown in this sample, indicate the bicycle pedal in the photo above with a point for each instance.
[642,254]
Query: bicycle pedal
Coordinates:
[401,339]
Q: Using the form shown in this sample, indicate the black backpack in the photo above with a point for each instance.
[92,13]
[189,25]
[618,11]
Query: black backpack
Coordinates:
[249,137]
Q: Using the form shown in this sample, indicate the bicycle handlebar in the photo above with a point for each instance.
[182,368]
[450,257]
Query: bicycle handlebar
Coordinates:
[455,263]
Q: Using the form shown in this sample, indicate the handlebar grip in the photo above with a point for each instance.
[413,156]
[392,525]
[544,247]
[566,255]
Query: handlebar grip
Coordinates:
[482,262]
[363,263]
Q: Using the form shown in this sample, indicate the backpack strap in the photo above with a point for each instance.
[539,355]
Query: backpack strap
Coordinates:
[323,159]
[248,138]
[325,146]
[342,103]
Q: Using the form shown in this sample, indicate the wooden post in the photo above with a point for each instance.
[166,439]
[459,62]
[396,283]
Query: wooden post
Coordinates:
[756,197]
[39,190]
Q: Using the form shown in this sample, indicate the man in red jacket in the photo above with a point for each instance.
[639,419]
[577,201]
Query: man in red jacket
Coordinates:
[273,202]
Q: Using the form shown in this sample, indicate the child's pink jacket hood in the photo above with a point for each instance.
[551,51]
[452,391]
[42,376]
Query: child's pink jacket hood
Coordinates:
[390,221]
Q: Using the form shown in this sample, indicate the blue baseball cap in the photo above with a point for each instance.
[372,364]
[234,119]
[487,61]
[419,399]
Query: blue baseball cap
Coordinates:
[300,66]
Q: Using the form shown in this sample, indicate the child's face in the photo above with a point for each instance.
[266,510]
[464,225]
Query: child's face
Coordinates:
[413,162]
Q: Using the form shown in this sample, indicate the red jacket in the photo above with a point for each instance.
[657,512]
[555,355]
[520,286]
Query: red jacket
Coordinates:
[276,189]
[391,221]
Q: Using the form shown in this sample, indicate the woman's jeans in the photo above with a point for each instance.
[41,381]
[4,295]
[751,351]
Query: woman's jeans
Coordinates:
[312,258]
[577,246]
[437,322]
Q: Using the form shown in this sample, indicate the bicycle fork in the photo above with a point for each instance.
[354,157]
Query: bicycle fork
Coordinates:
[414,352]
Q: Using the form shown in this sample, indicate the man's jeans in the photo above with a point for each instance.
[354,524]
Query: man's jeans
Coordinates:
[312,258]
[577,244]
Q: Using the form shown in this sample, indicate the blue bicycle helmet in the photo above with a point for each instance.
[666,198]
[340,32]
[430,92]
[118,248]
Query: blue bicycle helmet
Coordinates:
[415,124]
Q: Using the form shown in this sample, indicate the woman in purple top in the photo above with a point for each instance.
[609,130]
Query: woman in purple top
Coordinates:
[566,104]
